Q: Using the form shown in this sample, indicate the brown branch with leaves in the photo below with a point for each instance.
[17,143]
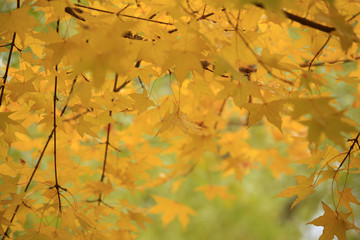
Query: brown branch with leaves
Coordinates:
[303,21]
[37,165]
[12,45]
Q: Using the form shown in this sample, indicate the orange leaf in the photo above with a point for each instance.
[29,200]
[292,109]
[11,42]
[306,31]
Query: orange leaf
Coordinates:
[170,209]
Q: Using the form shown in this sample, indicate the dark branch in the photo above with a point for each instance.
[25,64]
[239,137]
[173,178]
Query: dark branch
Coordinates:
[107,143]
[30,180]
[260,61]
[303,21]
[57,186]
[68,99]
[12,44]
[306,64]
[318,52]
[123,15]
[72,12]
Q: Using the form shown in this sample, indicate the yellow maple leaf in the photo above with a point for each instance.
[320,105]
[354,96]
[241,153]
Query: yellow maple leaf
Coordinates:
[32,234]
[83,126]
[304,188]
[142,101]
[239,91]
[97,188]
[9,184]
[178,119]
[327,174]
[185,62]
[139,217]
[271,110]
[17,21]
[325,120]
[343,29]
[310,78]
[3,221]
[346,197]
[316,157]
[5,120]
[170,209]
[334,223]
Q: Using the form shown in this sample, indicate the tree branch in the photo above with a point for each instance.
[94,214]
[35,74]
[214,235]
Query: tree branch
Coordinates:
[106,148]
[107,143]
[347,156]
[68,99]
[5,45]
[35,170]
[318,52]
[247,44]
[117,89]
[57,186]
[303,21]
[220,112]
[123,15]
[30,180]
[12,44]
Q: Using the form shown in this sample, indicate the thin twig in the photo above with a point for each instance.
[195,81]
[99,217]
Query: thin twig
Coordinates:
[318,52]
[7,67]
[116,89]
[107,143]
[353,16]
[220,112]
[12,44]
[306,64]
[123,15]
[106,149]
[115,148]
[77,116]
[29,181]
[347,156]
[68,99]
[57,186]
[105,156]
[33,174]
[5,45]
[247,44]
[324,45]
[101,201]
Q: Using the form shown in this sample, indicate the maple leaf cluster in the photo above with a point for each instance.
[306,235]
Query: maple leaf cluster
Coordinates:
[95,97]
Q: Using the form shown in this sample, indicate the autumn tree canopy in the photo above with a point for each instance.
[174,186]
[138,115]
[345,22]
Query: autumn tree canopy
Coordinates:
[104,100]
